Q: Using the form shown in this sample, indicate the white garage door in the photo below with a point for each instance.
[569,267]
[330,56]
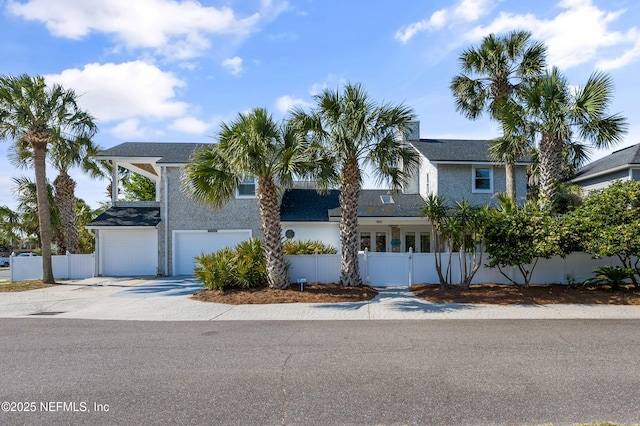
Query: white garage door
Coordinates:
[189,244]
[128,252]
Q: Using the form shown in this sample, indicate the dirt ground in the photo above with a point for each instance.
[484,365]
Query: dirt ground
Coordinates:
[479,293]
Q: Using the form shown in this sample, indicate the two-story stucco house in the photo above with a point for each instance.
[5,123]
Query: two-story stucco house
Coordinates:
[163,237]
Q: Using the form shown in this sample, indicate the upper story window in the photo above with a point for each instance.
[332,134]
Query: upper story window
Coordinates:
[247,187]
[482,179]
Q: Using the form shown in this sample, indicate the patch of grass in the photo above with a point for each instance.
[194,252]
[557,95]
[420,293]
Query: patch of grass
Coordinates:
[22,286]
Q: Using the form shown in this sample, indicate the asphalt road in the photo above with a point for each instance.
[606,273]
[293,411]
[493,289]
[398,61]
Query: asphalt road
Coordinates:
[5,274]
[452,372]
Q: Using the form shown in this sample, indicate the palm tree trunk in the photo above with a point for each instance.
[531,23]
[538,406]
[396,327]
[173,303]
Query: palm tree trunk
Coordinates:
[349,195]
[65,200]
[550,165]
[510,177]
[268,202]
[38,140]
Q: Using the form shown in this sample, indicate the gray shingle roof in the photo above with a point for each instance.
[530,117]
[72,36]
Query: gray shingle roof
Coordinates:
[453,149]
[128,216]
[169,152]
[306,205]
[371,205]
[623,157]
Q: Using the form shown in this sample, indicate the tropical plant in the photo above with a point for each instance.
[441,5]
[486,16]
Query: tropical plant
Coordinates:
[557,112]
[9,227]
[471,222]
[612,276]
[435,210]
[32,112]
[64,154]
[252,145]
[356,132]
[136,187]
[297,247]
[244,266]
[492,75]
[27,208]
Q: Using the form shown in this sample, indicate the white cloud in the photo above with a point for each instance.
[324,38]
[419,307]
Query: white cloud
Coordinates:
[130,129]
[472,10]
[286,103]
[233,65]
[113,92]
[173,29]
[464,11]
[579,34]
[190,125]
[332,81]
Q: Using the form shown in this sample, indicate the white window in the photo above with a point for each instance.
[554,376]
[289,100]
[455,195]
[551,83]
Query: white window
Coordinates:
[482,179]
[419,241]
[427,184]
[247,188]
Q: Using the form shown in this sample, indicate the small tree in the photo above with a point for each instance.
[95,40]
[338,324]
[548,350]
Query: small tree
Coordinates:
[472,222]
[435,210]
[520,237]
[607,224]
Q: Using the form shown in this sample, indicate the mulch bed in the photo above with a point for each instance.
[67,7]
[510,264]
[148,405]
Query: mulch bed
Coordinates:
[313,293]
[500,294]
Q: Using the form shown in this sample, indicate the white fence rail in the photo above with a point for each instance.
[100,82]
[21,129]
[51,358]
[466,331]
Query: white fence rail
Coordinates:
[405,269]
[65,267]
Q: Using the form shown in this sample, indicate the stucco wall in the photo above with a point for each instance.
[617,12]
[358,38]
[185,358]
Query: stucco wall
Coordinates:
[454,182]
[185,214]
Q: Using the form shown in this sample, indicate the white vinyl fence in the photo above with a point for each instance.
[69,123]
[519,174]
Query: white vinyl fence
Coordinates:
[65,267]
[406,269]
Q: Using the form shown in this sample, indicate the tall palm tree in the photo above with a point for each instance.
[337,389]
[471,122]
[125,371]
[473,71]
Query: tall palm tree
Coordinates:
[556,113]
[252,145]
[357,131]
[63,154]
[33,112]
[492,75]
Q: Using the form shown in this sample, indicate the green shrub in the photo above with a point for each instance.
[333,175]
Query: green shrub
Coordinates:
[307,247]
[612,276]
[242,267]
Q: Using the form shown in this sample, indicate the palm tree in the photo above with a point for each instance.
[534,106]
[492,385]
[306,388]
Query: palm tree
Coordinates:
[27,208]
[491,76]
[63,154]
[556,113]
[253,145]
[356,131]
[9,227]
[33,112]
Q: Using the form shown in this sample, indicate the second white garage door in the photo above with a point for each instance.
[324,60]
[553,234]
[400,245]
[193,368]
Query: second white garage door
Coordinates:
[189,244]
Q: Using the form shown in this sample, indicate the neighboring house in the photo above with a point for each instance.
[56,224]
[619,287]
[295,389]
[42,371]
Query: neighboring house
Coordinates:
[623,164]
[163,237]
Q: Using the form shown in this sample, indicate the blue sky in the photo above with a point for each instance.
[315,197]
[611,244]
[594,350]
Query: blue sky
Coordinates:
[160,70]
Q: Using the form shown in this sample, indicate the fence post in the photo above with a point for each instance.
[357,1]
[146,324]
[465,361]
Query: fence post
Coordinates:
[410,266]
[11,268]
[68,265]
[366,265]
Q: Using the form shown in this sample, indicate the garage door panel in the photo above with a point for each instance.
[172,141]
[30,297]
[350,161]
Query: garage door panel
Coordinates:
[188,245]
[129,252]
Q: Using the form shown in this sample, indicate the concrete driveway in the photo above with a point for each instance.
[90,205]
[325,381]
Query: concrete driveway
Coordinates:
[168,299]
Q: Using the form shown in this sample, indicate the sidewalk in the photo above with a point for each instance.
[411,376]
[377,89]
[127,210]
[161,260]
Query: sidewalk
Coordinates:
[167,299]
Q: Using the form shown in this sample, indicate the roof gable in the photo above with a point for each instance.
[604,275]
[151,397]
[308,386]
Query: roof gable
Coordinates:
[624,157]
[168,152]
[128,216]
